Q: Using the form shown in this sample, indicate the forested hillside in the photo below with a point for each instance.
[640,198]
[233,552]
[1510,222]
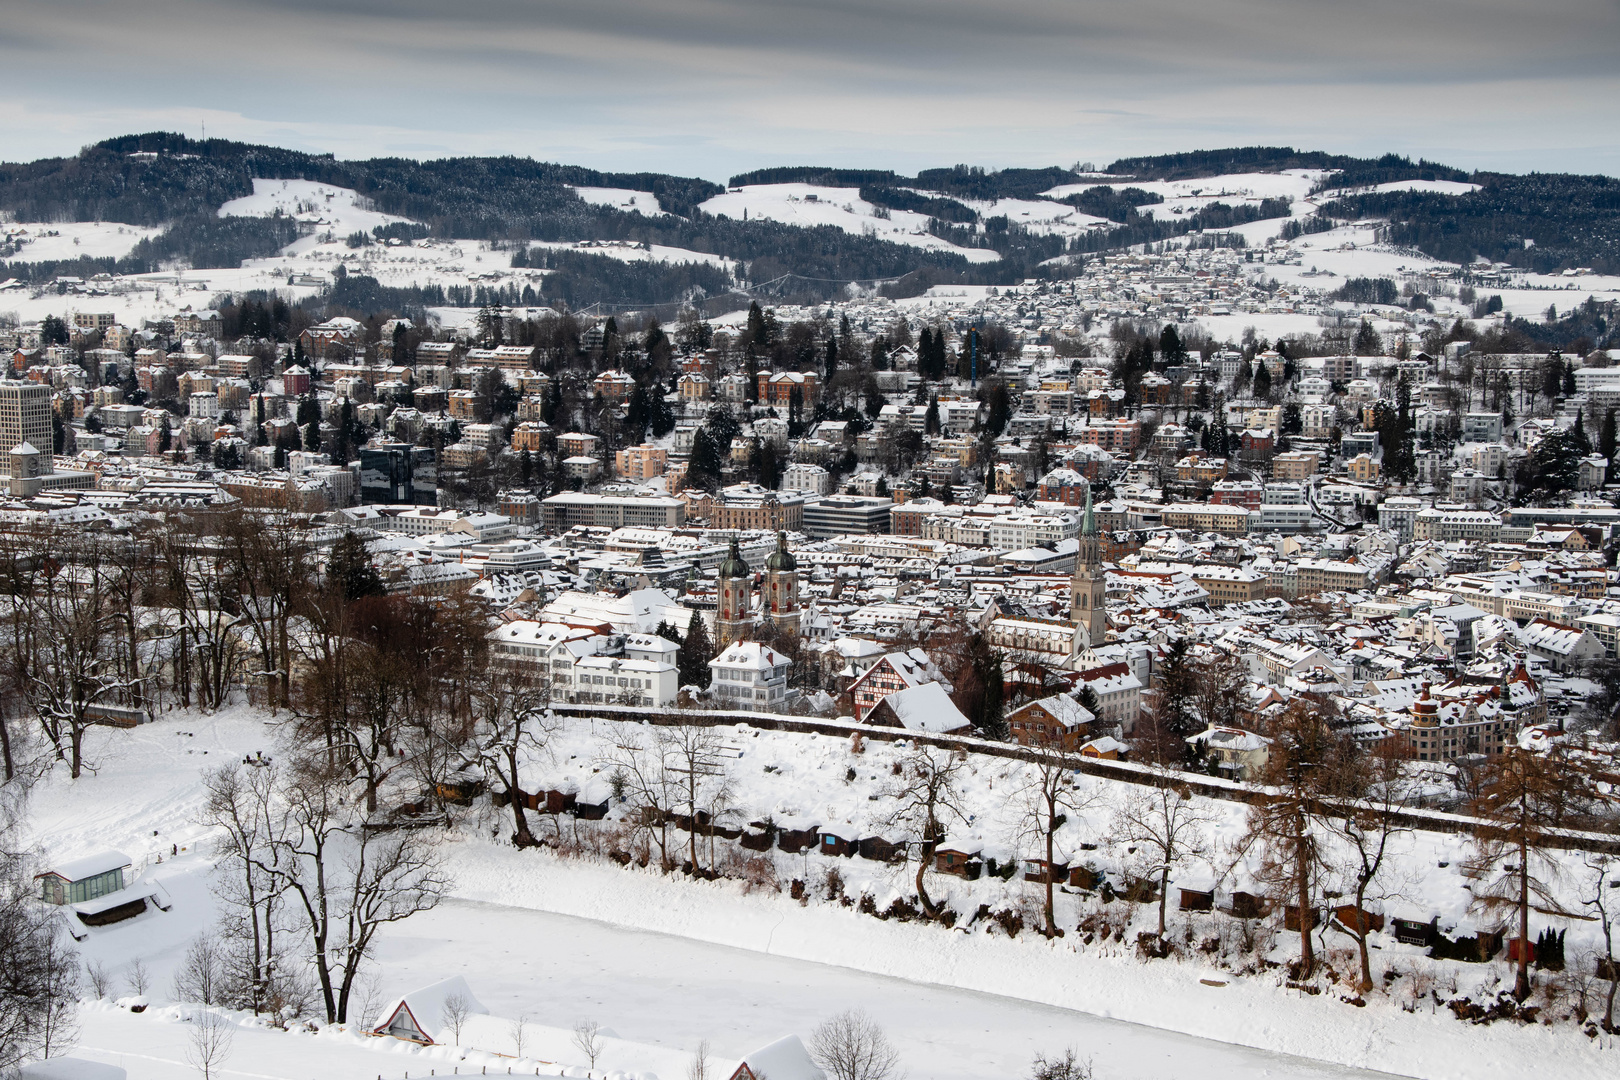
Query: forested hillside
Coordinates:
[1543,222]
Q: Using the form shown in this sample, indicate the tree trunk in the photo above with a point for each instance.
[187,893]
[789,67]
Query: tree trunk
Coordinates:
[1521,981]
[76,739]
[522,837]
[1164,895]
[5,747]
[1362,930]
[1302,896]
[925,854]
[1051,918]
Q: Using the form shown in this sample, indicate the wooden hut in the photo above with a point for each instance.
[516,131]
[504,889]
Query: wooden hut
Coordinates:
[879,849]
[959,860]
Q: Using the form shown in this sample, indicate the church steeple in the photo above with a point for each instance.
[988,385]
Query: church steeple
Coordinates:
[734,613]
[781,597]
[1088,591]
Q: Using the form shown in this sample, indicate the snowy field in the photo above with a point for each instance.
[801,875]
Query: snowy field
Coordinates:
[61,240]
[843,208]
[621,199]
[665,962]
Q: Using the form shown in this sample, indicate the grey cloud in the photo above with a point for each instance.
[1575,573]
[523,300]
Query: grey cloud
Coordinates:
[713,85]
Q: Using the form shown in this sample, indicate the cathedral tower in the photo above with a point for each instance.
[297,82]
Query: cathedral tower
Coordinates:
[1088,591]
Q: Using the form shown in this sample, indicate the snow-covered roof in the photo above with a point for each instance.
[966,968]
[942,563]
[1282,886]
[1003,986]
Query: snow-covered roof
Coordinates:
[426,1007]
[749,655]
[784,1059]
[1234,740]
[926,708]
[89,866]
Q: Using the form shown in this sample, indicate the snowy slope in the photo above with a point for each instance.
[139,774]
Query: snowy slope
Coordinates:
[1234,189]
[843,208]
[145,796]
[39,242]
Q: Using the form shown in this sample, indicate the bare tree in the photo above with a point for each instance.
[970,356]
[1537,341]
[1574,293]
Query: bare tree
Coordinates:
[201,975]
[1366,829]
[1163,820]
[512,724]
[267,556]
[453,1013]
[137,978]
[1066,1066]
[1310,764]
[925,799]
[1050,797]
[95,972]
[520,1034]
[693,753]
[1600,866]
[588,1037]
[242,806]
[210,1043]
[1523,797]
[75,669]
[698,1068]
[347,881]
[643,765]
[851,1046]
[38,973]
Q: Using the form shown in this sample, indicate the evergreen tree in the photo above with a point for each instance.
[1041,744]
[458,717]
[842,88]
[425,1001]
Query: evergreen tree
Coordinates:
[662,415]
[1171,350]
[667,631]
[1552,377]
[982,699]
[1569,378]
[1368,342]
[931,418]
[312,436]
[526,466]
[707,461]
[880,353]
[1262,381]
[755,333]
[165,437]
[831,366]
[1607,436]
[925,354]
[874,398]
[695,654]
[349,568]
[1000,403]
[1583,443]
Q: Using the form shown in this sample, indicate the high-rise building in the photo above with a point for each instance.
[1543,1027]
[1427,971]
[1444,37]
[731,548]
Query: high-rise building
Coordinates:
[399,473]
[1088,592]
[25,417]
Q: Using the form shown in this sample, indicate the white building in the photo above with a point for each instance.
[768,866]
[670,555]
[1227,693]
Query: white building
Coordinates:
[805,477]
[748,675]
[582,666]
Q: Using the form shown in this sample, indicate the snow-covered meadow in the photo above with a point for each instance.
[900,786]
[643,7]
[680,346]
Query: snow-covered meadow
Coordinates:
[666,961]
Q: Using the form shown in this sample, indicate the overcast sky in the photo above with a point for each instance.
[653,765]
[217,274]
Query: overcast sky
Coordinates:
[714,87]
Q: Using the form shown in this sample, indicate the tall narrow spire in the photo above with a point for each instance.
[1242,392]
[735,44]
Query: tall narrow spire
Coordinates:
[1088,523]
